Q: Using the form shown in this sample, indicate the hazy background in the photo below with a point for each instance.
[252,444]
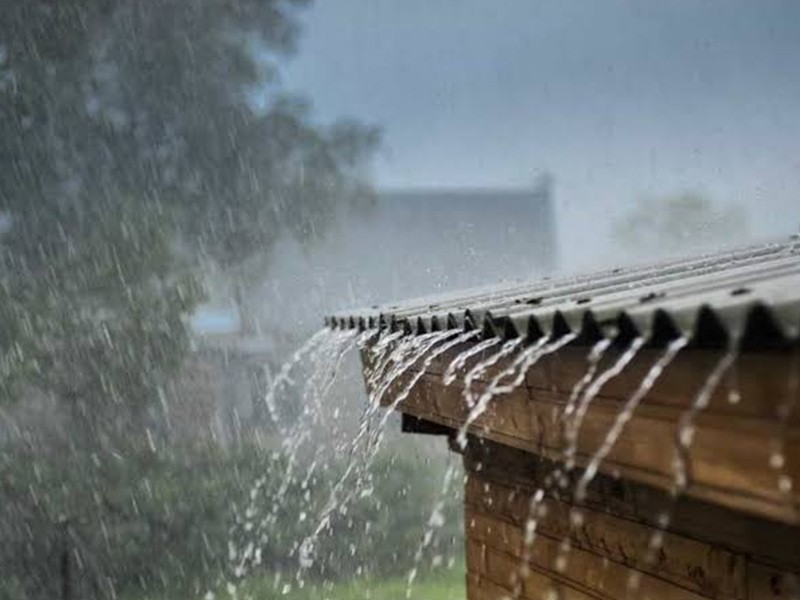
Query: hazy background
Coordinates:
[617,99]
[178,168]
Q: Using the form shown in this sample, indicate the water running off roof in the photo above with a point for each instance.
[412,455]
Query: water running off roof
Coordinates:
[750,295]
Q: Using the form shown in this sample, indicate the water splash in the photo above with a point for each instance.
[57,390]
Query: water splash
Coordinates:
[475,409]
[382,353]
[611,438]
[324,352]
[403,357]
[778,460]
[477,371]
[426,347]
[593,360]
[536,507]
[685,432]
[397,361]
[451,373]
[517,371]
[356,342]
[284,374]
[406,391]
[389,350]
[436,521]
[536,511]
[573,425]
[325,359]
[595,356]
[684,436]
[626,414]
[414,350]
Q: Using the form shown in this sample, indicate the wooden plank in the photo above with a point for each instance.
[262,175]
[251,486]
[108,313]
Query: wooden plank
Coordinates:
[769,542]
[475,553]
[729,458]
[767,583]
[733,534]
[480,588]
[761,380]
[481,527]
[534,584]
[582,570]
[692,564]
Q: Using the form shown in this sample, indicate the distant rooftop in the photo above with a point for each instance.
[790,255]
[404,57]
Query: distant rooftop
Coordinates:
[491,221]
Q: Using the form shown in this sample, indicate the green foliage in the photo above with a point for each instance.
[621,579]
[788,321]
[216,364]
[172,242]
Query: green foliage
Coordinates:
[378,533]
[134,519]
[386,526]
[442,584]
[96,310]
[147,523]
[675,223]
[132,153]
[446,583]
[153,100]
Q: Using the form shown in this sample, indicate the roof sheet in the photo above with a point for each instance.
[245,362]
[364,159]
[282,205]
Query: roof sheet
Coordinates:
[751,295]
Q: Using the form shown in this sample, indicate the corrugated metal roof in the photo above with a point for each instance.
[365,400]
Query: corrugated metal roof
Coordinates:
[752,295]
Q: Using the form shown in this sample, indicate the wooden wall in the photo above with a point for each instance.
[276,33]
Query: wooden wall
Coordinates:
[734,531]
[707,551]
[731,459]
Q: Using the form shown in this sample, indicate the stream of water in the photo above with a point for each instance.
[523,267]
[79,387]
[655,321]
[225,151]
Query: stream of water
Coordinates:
[395,363]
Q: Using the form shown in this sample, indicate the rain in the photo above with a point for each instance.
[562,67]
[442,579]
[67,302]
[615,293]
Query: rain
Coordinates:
[218,217]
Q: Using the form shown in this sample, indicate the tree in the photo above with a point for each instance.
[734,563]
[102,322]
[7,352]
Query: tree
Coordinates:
[131,153]
[679,223]
[149,101]
[135,153]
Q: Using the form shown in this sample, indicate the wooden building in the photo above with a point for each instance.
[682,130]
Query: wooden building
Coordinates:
[678,384]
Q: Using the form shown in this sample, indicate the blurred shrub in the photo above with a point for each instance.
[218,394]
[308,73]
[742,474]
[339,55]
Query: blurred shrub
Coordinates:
[680,223]
[136,522]
[107,523]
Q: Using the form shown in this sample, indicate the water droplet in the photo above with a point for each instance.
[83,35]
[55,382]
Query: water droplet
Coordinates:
[686,436]
[576,517]
[777,460]
[561,564]
[657,540]
[634,580]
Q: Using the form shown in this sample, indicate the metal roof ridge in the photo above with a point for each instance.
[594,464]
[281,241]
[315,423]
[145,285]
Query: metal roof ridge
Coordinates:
[751,294]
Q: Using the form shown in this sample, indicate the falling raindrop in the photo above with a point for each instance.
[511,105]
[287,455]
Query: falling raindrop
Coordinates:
[451,373]
[626,414]
[573,425]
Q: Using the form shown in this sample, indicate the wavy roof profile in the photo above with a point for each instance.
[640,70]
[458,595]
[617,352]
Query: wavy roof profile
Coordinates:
[751,295]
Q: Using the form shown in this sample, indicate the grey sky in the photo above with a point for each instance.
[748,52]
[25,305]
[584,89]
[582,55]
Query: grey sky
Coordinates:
[618,99]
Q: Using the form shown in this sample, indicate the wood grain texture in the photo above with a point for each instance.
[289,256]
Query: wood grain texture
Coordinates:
[722,554]
[731,460]
[733,533]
